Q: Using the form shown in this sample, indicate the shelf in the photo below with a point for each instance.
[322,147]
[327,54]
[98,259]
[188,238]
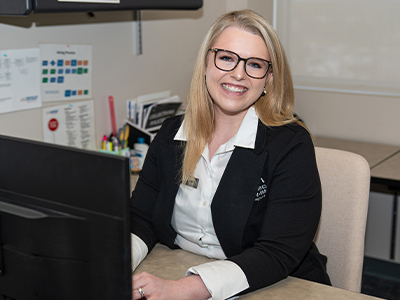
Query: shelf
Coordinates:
[25,7]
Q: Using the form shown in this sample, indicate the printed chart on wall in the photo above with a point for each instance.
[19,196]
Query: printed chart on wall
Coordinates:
[70,124]
[66,72]
[19,80]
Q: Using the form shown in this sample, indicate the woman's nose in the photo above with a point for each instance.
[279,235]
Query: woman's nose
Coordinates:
[239,72]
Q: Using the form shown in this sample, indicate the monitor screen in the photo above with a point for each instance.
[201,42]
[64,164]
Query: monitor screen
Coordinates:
[64,223]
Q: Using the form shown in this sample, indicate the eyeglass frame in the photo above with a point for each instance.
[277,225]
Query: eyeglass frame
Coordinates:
[215,50]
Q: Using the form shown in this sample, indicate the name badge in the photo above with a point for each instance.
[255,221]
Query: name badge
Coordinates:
[193,183]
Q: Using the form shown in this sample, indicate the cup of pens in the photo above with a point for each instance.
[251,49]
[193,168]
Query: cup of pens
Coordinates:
[117,145]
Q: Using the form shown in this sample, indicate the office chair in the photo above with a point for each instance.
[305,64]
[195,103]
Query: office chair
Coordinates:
[345,180]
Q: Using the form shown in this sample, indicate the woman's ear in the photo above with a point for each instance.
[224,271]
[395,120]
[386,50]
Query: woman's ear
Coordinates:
[264,92]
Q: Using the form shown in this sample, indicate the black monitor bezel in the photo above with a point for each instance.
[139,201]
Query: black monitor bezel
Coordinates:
[84,184]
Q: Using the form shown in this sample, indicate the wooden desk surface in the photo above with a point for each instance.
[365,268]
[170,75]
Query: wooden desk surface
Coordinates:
[373,153]
[134,178]
[172,264]
[388,169]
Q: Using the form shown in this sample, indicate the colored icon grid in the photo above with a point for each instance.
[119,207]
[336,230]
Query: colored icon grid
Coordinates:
[56,71]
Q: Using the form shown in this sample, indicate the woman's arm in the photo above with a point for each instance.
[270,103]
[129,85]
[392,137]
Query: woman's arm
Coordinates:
[146,192]
[139,251]
[154,288]
[152,200]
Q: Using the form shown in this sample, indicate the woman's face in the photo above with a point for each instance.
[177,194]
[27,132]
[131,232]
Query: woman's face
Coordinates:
[234,92]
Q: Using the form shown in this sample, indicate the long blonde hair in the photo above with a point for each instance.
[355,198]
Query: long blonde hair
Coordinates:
[275,108]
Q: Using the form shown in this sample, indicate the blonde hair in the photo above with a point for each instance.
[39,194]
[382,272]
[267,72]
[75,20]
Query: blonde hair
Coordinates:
[275,108]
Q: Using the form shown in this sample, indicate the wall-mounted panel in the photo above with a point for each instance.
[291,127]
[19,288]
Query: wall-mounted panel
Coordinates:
[24,7]
[15,7]
[342,45]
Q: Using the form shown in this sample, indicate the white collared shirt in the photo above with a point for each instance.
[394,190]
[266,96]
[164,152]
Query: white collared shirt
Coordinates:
[192,218]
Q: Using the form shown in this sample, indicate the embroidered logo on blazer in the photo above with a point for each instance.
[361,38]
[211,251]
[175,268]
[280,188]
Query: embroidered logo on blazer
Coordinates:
[262,190]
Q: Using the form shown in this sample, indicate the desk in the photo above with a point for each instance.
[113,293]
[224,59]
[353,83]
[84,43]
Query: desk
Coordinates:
[172,264]
[373,153]
[388,171]
[384,162]
[134,178]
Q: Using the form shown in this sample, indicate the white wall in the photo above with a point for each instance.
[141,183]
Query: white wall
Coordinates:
[363,118]
[170,43]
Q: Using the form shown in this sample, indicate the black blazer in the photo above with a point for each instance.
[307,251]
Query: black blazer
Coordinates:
[265,211]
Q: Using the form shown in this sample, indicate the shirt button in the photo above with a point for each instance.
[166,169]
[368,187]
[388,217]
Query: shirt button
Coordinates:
[204,203]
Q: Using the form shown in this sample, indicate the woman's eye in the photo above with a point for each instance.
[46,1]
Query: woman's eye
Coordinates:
[254,65]
[226,58]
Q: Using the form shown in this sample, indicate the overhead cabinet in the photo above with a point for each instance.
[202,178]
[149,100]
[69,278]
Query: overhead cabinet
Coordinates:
[25,7]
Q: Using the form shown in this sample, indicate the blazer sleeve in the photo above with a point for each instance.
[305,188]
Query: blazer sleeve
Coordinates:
[144,197]
[149,186]
[291,215]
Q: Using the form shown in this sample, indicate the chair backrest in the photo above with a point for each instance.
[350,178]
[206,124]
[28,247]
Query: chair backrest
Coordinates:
[345,180]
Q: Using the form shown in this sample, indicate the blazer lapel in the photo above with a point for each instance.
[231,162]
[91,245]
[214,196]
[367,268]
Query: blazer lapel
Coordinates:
[236,193]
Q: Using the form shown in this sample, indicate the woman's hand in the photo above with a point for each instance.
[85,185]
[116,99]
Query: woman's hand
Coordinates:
[154,288]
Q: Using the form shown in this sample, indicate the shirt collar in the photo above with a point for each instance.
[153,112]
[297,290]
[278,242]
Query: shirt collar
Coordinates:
[246,135]
[180,135]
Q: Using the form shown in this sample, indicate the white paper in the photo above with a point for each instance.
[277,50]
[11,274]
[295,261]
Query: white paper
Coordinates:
[70,124]
[66,72]
[19,80]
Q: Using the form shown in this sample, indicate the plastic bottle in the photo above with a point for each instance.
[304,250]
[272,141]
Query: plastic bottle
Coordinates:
[141,150]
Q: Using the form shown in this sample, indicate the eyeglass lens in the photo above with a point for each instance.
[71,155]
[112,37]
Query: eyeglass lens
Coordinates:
[227,61]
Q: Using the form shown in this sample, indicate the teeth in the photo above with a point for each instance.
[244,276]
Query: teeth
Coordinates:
[233,89]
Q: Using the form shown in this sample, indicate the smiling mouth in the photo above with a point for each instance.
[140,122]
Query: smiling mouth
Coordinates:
[234,89]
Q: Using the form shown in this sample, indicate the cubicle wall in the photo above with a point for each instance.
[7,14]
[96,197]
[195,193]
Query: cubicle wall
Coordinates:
[378,238]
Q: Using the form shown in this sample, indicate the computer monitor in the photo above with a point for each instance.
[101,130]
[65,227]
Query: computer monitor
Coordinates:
[64,223]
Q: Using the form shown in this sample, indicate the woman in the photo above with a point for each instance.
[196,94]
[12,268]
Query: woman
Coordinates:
[235,180]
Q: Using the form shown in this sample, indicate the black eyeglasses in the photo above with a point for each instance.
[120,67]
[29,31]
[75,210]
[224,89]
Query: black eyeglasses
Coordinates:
[254,67]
